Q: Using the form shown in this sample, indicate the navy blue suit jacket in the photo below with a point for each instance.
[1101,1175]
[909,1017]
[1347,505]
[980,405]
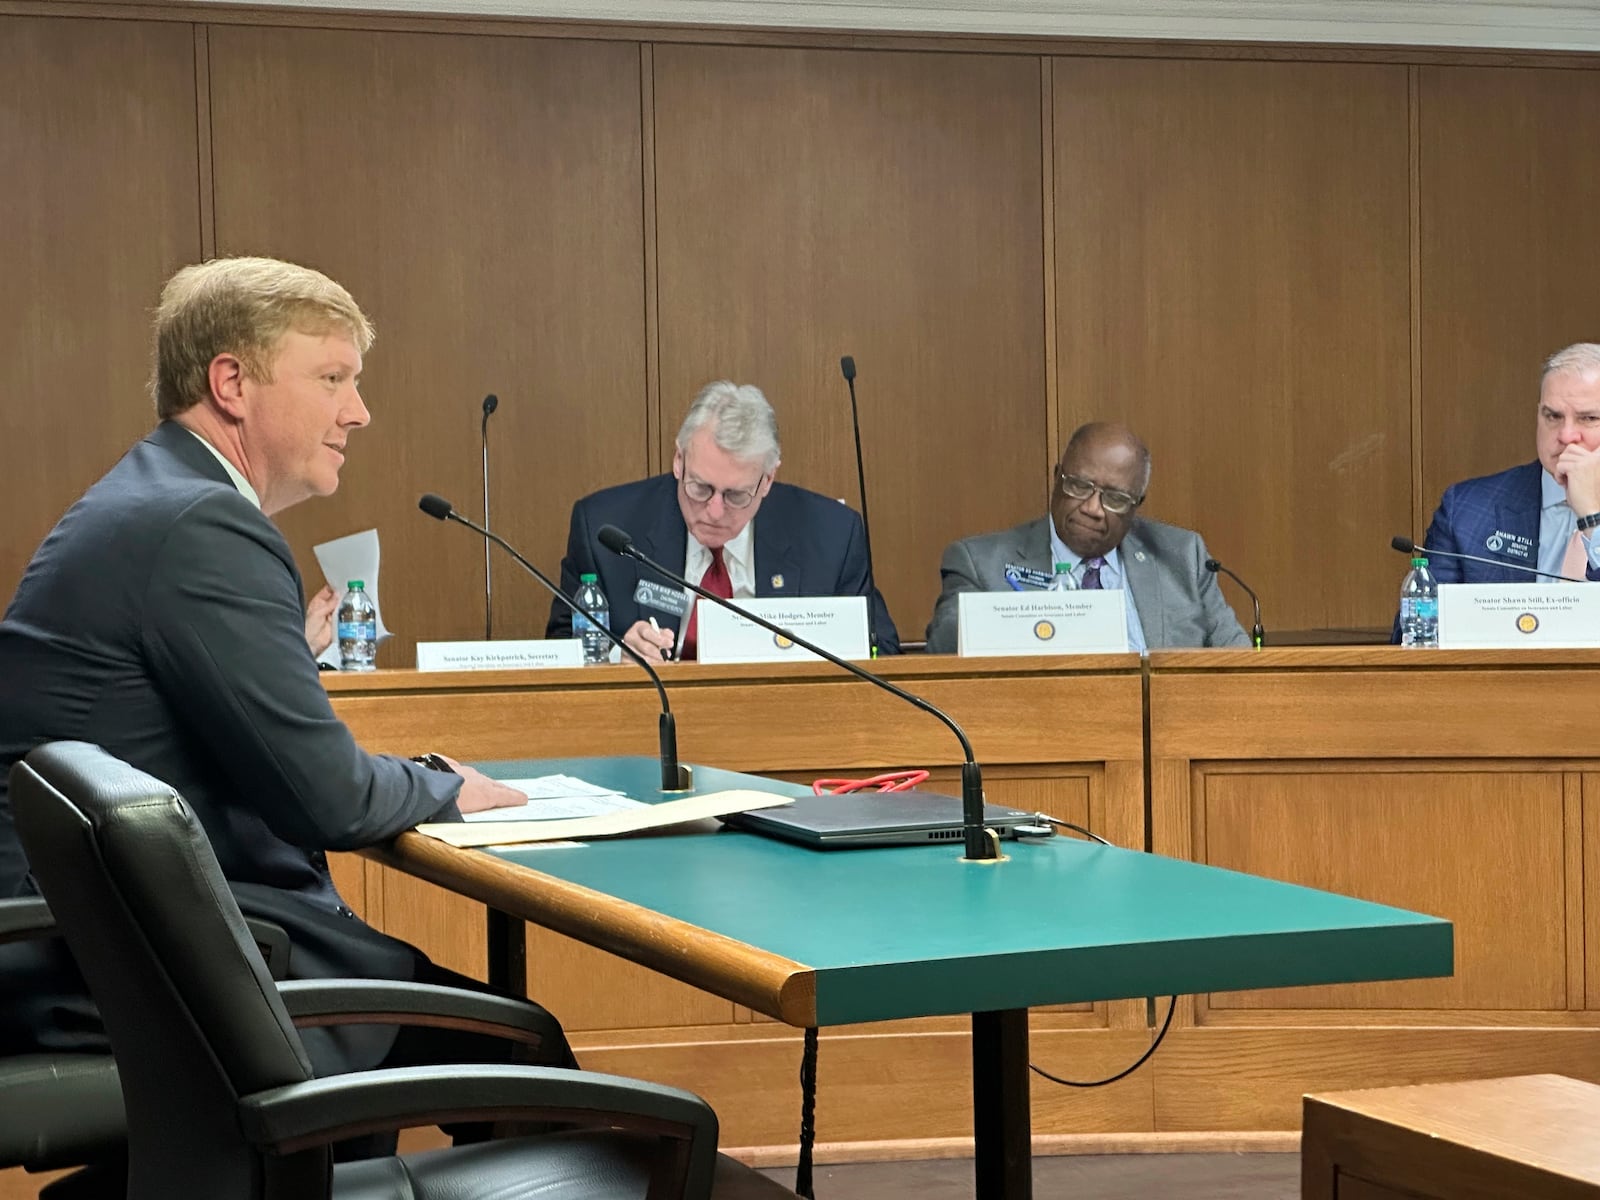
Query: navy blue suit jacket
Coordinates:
[162,619]
[1493,516]
[805,545]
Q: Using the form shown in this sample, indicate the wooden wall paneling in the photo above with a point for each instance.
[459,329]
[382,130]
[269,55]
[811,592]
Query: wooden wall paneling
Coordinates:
[1232,280]
[1573,876]
[1221,1078]
[481,197]
[1591,886]
[1510,266]
[98,205]
[1485,850]
[814,203]
[878,1085]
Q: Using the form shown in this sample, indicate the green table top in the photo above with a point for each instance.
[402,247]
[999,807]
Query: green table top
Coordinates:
[916,931]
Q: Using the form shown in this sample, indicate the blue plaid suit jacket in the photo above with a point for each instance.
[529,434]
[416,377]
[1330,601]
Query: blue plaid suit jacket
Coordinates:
[1494,516]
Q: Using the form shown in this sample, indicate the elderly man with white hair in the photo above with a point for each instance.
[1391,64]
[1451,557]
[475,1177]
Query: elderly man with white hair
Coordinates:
[721,520]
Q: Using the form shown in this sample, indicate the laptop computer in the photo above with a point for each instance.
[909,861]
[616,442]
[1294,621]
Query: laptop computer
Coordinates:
[852,819]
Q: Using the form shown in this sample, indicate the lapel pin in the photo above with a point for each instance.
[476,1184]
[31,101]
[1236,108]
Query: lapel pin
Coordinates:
[1139,554]
[777,582]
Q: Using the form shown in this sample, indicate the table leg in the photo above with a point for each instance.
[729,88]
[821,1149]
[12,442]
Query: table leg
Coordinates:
[1002,1127]
[508,953]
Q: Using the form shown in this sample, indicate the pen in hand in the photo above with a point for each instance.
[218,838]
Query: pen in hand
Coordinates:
[666,653]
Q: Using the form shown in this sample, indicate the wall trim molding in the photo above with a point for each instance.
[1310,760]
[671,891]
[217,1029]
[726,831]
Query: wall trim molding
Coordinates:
[1560,25]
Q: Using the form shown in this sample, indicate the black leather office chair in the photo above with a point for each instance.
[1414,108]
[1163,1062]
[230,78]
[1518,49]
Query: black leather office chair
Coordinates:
[57,1110]
[219,1093]
[61,1109]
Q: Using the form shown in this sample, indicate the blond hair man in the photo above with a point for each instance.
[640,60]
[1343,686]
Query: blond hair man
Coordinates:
[161,619]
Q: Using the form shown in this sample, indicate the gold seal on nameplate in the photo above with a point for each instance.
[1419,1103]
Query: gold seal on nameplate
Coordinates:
[1044,630]
[1527,623]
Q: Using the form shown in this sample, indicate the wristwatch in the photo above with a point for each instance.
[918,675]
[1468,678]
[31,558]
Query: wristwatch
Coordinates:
[1589,522]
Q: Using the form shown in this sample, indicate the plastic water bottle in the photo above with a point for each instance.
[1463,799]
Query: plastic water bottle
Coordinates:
[596,645]
[358,629]
[1419,606]
[1063,581]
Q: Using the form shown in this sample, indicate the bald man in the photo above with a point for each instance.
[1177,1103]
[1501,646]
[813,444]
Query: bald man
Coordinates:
[1170,598]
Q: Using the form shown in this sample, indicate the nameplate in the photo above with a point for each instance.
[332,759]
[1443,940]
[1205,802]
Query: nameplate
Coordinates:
[499,656]
[836,623]
[990,624]
[659,596]
[1501,616]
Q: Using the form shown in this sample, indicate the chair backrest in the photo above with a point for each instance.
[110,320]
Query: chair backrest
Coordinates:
[193,1016]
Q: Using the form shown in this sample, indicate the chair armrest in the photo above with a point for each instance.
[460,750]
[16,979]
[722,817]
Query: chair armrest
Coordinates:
[287,1119]
[314,1002]
[25,918]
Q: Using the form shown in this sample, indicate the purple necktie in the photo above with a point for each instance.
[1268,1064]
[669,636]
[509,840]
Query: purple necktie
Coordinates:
[1091,574]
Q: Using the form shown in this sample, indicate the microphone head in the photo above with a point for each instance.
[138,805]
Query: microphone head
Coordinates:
[848,366]
[436,507]
[490,403]
[1403,544]
[614,539]
[1213,565]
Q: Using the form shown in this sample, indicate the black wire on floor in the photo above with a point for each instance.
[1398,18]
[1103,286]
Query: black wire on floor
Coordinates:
[808,1115]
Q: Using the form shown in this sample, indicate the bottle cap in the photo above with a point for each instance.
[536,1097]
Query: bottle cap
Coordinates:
[1419,561]
[588,577]
[1063,568]
[354,584]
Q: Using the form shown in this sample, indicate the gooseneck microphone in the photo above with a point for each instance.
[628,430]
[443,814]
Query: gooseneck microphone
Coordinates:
[490,403]
[673,777]
[1406,546]
[1258,635]
[847,365]
[979,845]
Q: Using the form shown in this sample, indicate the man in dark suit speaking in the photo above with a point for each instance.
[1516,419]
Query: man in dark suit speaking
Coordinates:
[720,521]
[161,619]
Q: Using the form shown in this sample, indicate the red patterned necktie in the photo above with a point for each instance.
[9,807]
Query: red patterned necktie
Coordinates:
[716,581]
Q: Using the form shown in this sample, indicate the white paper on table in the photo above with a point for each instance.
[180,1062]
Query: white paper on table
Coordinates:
[354,556]
[547,786]
[557,808]
[626,820]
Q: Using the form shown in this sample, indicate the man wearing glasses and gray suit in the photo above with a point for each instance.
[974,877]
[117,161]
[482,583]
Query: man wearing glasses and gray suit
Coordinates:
[721,521]
[1093,526]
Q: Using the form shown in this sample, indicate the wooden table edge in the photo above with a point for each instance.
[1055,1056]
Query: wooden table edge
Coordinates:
[769,983]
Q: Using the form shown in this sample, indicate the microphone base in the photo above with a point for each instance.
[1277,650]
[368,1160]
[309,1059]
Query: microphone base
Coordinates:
[982,844]
[683,783]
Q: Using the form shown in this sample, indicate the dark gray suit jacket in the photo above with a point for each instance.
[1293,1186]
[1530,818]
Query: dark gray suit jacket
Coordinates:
[162,619]
[1177,599]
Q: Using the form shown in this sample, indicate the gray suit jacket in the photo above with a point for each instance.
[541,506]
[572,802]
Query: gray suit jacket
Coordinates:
[1177,599]
[162,619]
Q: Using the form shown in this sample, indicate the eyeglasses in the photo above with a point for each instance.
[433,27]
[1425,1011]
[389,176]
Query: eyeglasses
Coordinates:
[701,492]
[1113,500]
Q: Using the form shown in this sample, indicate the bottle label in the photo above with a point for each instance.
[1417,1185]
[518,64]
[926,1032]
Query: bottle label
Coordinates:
[358,631]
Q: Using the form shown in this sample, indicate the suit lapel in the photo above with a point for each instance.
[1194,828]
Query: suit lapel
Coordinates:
[666,540]
[1031,548]
[1144,581]
[1518,512]
[777,568]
